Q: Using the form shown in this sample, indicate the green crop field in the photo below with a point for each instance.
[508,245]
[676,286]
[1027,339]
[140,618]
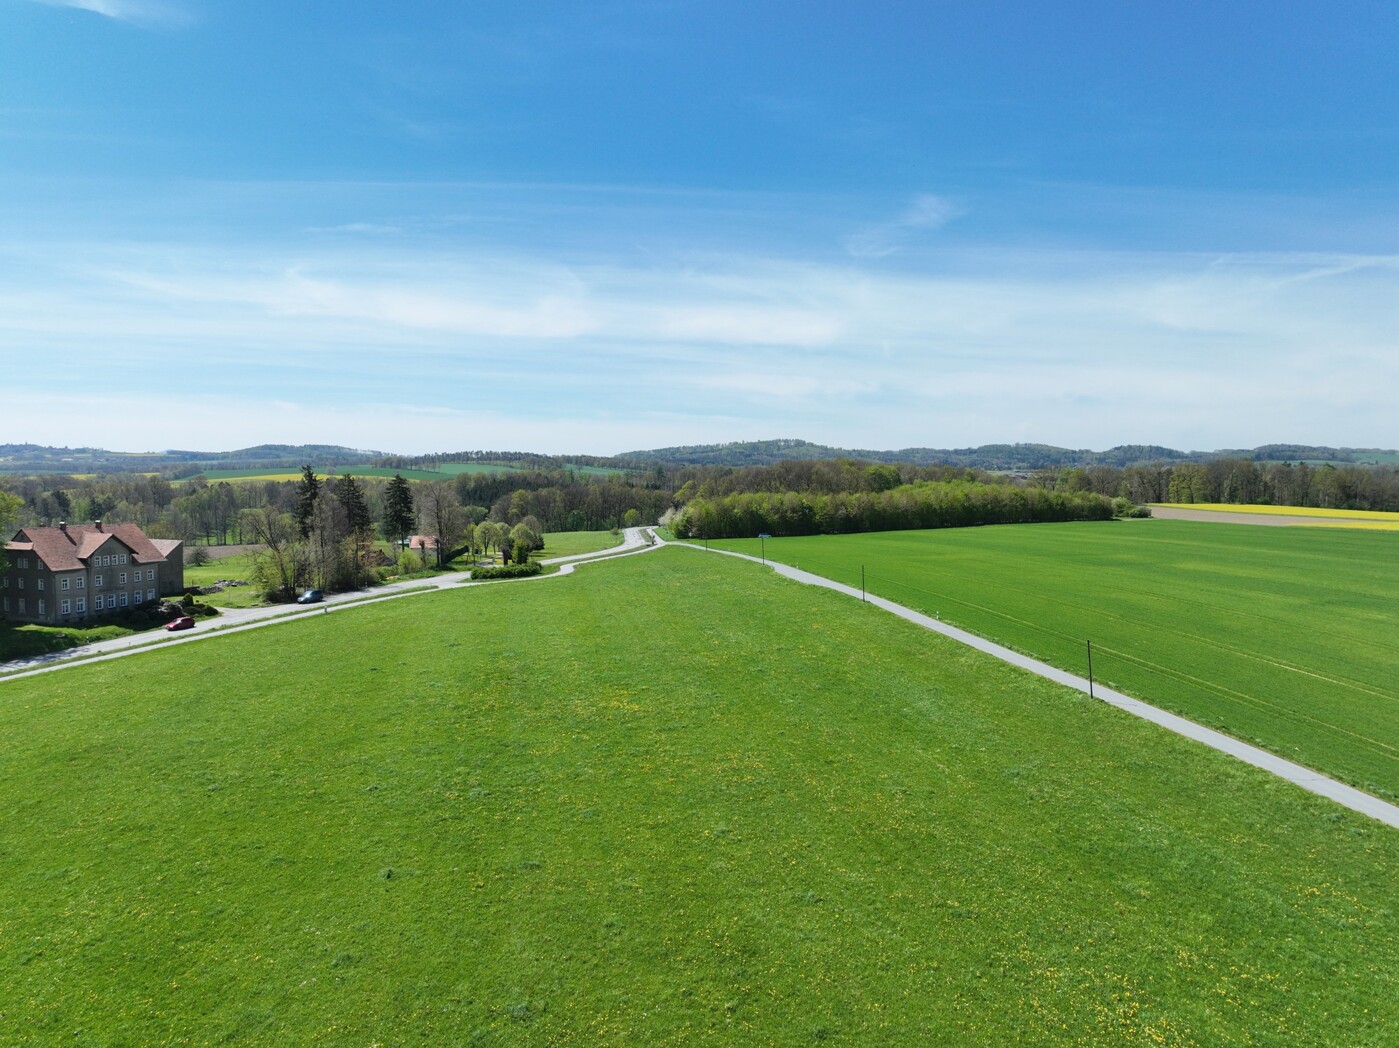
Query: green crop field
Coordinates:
[1282,636]
[444,471]
[213,476]
[671,798]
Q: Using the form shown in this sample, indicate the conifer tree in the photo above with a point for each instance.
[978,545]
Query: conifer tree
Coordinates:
[399,513]
[307,491]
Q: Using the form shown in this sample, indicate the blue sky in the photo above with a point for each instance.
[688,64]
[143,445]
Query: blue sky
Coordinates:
[603,226]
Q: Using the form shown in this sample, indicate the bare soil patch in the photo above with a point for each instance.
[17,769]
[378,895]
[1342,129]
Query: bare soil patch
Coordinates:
[1226,517]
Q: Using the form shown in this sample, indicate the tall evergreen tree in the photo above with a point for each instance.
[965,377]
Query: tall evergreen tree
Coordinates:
[351,496]
[399,513]
[308,490]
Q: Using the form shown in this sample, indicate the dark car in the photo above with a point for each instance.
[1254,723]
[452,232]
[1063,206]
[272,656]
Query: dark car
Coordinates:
[184,622]
[311,597]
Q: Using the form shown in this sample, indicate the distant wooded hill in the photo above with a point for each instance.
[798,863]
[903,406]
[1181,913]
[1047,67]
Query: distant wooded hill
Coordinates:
[997,457]
[37,459]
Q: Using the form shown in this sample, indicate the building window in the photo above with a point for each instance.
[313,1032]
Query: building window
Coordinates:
[82,581]
[7,604]
[24,562]
[21,582]
[41,608]
[150,574]
[123,599]
[63,584]
[65,606]
[150,594]
[121,579]
[97,582]
[21,605]
[39,583]
[111,600]
[82,605]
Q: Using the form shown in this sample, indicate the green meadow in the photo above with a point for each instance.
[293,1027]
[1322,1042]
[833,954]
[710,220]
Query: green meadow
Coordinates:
[1282,636]
[572,543]
[668,799]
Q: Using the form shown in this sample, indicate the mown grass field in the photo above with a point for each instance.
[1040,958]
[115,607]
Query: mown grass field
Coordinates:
[669,799]
[571,543]
[1282,636]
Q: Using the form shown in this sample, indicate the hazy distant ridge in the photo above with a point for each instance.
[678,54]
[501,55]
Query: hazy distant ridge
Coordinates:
[992,456]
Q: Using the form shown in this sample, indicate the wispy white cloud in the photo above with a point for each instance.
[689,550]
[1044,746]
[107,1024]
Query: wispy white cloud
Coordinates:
[139,12]
[1079,349]
[927,212]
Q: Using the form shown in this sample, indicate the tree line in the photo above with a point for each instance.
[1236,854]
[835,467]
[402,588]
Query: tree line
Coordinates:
[560,499]
[923,504]
[1238,481]
[217,513]
[328,540]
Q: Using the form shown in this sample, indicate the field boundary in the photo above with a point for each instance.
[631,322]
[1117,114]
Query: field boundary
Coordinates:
[1299,775]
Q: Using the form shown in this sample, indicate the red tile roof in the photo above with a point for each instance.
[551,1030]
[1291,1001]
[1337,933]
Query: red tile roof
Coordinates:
[67,548]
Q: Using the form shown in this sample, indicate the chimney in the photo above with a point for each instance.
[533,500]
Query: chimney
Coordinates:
[97,524]
[63,525]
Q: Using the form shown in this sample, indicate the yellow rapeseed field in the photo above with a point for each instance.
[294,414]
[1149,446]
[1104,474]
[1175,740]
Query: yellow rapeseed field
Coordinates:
[1338,518]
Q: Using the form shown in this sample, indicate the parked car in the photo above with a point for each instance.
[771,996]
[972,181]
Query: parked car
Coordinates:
[311,597]
[184,622]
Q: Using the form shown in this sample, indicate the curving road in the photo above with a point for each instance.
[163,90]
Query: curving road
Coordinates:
[236,620]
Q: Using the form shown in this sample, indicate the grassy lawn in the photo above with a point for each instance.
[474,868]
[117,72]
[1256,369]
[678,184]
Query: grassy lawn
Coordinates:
[669,799]
[238,566]
[1282,636]
[571,543]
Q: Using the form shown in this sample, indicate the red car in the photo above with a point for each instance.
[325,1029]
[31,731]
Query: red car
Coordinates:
[184,622]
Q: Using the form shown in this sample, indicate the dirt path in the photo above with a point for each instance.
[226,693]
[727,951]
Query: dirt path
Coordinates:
[1272,520]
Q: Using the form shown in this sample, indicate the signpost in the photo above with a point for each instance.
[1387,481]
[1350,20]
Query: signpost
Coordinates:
[763,537]
[1090,669]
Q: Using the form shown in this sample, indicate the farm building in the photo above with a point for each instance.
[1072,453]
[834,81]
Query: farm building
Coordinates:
[76,572]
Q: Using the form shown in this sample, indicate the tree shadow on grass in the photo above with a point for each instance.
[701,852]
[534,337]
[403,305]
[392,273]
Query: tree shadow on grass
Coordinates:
[26,642]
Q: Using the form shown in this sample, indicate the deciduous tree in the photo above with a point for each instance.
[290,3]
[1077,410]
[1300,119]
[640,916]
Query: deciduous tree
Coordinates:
[439,511]
[10,505]
[277,567]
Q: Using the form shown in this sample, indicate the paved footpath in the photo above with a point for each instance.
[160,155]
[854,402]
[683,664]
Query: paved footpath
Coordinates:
[1307,778]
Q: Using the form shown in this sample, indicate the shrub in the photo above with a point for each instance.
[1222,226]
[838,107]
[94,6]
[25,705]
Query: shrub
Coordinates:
[507,571]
